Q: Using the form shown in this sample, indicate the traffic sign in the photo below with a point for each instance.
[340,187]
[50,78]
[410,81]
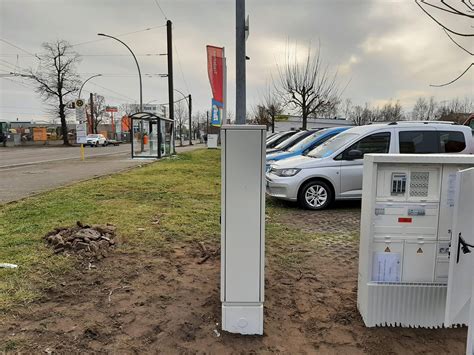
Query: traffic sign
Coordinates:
[80,110]
[81,133]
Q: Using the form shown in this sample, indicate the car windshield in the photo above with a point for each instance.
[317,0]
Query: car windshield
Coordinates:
[302,143]
[295,138]
[92,136]
[332,145]
[274,137]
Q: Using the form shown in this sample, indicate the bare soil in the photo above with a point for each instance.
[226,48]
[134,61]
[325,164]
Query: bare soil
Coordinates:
[168,302]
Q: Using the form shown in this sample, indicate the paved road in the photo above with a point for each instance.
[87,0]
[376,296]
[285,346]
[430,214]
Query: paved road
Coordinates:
[49,168]
[33,155]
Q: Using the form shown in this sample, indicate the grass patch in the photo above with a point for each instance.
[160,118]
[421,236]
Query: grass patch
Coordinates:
[153,207]
[182,193]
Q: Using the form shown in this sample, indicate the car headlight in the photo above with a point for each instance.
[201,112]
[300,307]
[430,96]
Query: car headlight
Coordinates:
[270,162]
[286,172]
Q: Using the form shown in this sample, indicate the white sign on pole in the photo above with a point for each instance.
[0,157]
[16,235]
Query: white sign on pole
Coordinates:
[212,141]
[81,133]
[80,110]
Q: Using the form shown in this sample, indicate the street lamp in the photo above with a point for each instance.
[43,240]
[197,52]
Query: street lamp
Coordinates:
[189,101]
[139,77]
[138,67]
[85,81]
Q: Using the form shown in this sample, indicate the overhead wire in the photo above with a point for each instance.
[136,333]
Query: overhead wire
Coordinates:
[181,68]
[17,47]
[119,35]
[162,12]
[113,91]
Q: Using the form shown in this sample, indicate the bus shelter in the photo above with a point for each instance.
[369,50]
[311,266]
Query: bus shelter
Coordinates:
[151,136]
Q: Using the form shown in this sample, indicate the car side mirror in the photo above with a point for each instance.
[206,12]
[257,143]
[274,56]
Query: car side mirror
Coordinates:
[354,154]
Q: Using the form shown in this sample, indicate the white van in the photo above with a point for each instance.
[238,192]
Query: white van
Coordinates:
[333,171]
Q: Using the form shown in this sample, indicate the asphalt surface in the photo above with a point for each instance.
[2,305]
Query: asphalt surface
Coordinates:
[28,171]
[17,156]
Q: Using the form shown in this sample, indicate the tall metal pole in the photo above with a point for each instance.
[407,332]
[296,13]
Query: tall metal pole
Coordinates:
[190,109]
[169,44]
[240,107]
[91,104]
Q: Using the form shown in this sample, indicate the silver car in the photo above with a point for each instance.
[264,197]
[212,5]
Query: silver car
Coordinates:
[333,171]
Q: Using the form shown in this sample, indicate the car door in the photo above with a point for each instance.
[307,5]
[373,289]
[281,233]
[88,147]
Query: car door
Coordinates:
[351,169]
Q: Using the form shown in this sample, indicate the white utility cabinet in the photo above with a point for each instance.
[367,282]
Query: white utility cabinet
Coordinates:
[460,297]
[243,228]
[409,223]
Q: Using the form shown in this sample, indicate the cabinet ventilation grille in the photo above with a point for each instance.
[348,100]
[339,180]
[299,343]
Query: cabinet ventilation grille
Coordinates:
[419,184]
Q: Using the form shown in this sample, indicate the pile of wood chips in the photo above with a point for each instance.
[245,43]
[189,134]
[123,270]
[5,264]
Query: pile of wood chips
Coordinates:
[93,241]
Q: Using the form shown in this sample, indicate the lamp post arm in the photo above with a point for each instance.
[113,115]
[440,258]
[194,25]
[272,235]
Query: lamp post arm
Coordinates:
[80,90]
[136,62]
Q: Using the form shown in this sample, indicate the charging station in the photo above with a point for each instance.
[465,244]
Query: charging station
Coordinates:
[243,228]
[410,223]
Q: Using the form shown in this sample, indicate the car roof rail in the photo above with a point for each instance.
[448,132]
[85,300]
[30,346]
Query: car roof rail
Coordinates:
[428,122]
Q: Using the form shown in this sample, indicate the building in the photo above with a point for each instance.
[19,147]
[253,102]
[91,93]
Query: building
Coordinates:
[294,122]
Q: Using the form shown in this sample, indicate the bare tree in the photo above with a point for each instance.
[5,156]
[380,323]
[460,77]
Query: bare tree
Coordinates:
[56,78]
[346,108]
[99,111]
[424,109]
[260,116]
[390,112]
[181,118]
[273,106]
[452,23]
[308,87]
[362,115]
[456,110]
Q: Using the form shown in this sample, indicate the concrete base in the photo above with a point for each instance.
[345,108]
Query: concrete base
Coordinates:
[243,318]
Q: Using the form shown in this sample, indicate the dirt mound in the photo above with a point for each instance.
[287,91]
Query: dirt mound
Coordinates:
[90,241]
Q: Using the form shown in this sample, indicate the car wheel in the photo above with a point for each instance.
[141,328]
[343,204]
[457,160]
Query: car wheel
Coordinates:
[315,195]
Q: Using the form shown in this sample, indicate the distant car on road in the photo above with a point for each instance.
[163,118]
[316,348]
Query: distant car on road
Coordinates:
[94,140]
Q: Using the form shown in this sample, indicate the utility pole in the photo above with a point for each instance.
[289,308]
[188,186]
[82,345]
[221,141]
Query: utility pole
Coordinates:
[190,109]
[240,57]
[91,104]
[169,43]
[207,123]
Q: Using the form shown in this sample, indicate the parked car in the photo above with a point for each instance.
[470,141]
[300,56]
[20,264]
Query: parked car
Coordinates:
[305,145]
[271,134]
[292,140]
[278,138]
[333,170]
[94,140]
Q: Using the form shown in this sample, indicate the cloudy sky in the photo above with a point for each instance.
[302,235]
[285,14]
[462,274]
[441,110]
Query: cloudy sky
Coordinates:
[384,49]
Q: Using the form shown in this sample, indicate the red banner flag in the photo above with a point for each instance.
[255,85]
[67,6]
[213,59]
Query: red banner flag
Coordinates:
[215,70]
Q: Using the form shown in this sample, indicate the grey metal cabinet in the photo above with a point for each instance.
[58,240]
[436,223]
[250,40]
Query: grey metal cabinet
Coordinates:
[243,228]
